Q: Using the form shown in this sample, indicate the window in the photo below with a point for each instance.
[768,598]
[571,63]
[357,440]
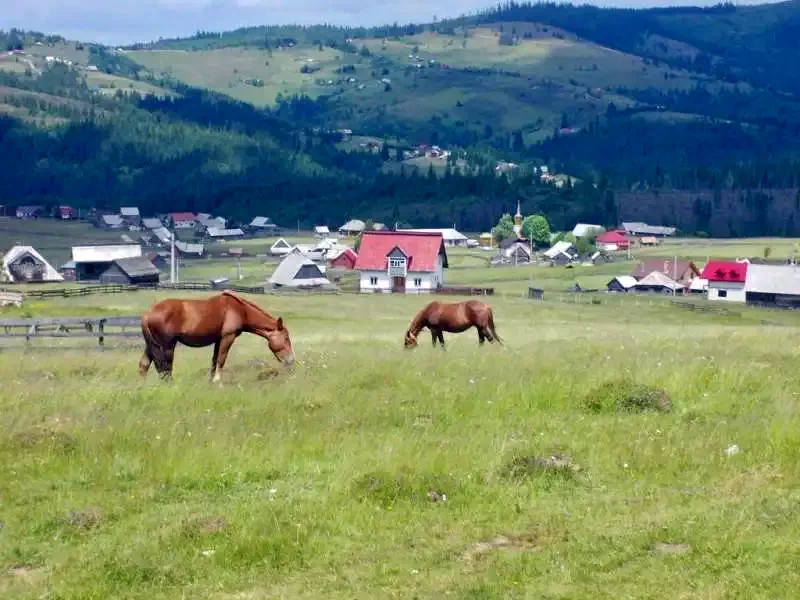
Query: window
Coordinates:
[373,281]
[722,293]
[418,282]
[397,263]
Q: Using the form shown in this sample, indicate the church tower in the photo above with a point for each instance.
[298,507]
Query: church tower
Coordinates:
[518,222]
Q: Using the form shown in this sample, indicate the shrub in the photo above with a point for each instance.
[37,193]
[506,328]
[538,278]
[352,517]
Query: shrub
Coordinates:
[623,395]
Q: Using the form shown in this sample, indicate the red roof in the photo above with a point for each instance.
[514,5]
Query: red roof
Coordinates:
[612,237]
[182,216]
[347,259]
[422,250]
[725,270]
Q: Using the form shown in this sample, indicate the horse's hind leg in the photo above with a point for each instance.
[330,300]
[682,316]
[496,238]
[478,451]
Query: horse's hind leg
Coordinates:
[481,337]
[214,358]
[440,335]
[433,337]
[168,356]
[146,360]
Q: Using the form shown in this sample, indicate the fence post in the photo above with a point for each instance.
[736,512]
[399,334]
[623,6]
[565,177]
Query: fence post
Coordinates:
[101,330]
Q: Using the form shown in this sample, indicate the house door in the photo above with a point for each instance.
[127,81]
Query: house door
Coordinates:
[399,285]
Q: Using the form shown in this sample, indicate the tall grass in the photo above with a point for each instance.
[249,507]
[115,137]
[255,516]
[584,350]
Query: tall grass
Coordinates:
[329,481]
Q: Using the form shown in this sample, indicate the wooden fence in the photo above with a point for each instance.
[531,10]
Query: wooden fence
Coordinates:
[71,327]
[708,308]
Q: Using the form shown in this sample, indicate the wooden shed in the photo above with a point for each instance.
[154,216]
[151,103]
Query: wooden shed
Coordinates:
[134,271]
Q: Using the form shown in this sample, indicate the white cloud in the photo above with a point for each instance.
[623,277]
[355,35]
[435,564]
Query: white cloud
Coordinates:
[117,22]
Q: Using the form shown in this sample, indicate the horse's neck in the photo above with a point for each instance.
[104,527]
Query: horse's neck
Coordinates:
[419,322]
[255,318]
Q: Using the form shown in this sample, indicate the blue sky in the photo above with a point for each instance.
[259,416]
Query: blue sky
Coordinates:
[125,21]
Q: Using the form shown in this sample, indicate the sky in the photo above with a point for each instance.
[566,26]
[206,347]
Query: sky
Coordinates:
[127,21]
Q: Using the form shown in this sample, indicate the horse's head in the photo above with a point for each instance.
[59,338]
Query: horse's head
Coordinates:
[411,340]
[281,344]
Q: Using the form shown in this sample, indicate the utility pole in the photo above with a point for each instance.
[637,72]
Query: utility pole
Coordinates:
[675,272]
[172,266]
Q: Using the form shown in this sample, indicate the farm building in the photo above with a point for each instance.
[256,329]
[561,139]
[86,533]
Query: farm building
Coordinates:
[321,231]
[204,224]
[92,261]
[726,280]
[280,248]
[112,221]
[131,216]
[682,271]
[183,220]
[163,235]
[345,259]
[643,229]
[775,285]
[352,227]
[611,241]
[649,240]
[451,236]
[190,250]
[159,259]
[67,270]
[261,225]
[66,213]
[133,271]
[586,230]
[560,248]
[29,212]
[225,234]
[24,264]
[296,270]
[517,251]
[698,286]
[656,281]
[486,240]
[623,284]
[399,262]
[152,223]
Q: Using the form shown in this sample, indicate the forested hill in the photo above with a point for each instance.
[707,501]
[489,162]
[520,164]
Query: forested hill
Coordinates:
[684,115]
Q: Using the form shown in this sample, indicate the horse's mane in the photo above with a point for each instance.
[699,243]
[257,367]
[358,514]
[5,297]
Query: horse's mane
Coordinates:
[248,304]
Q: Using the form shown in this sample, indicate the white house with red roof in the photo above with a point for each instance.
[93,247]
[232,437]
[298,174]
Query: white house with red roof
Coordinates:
[726,280]
[183,220]
[611,241]
[401,262]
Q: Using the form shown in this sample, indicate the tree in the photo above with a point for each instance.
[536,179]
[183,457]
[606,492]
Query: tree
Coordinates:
[537,229]
[584,245]
[504,229]
[767,251]
[364,51]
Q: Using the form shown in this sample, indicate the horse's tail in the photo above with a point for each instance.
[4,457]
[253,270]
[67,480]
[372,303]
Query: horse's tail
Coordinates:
[492,328]
[154,349]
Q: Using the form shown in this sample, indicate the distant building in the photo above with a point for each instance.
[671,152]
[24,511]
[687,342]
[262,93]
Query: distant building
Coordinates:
[486,240]
[261,225]
[346,259]
[66,213]
[130,215]
[656,281]
[67,270]
[152,223]
[92,261]
[352,227]
[134,271]
[296,270]
[682,271]
[587,230]
[280,248]
[611,241]
[561,252]
[224,234]
[726,280]
[183,220]
[516,250]
[643,229]
[401,262]
[30,212]
[623,284]
[450,236]
[24,264]
[773,285]
[321,231]
[112,221]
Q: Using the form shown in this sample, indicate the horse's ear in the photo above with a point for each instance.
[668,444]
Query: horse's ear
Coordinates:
[280,323]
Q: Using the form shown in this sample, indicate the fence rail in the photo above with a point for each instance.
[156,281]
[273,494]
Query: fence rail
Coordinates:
[71,327]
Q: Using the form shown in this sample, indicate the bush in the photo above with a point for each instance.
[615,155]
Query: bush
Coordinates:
[623,395]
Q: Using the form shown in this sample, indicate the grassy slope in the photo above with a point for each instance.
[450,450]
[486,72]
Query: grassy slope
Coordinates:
[314,485]
[556,76]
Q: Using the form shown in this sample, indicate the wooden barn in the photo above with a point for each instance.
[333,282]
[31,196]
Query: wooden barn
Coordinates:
[93,261]
[133,271]
[346,259]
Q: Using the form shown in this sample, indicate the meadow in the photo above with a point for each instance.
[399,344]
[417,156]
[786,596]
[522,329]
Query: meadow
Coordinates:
[369,471]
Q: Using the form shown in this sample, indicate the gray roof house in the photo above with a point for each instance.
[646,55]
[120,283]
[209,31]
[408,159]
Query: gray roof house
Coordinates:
[152,223]
[112,221]
[298,271]
[261,224]
[637,228]
[135,270]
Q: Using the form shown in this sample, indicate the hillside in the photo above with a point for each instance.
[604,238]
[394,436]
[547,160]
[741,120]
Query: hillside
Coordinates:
[634,101]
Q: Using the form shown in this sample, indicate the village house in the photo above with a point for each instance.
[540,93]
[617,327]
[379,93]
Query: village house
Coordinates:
[486,240]
[296,270]
[66,213]
[112,222]
[30,212]
[401,262]
[67,270]
[321,231]
[132,271]
[280,248]
[726,280]
[681,271]
[643,229]
[130,215]
[621,284]
[190,250]
[649,240]
[656,281]
[451,236]
[183,220]
[261,226]
[92,261]
[562,253]
[24,264]
[152,223]
[344,259]
[224,234]
[516,251]
[611,241]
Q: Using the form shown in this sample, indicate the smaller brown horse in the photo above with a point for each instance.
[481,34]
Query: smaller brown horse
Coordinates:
[218,320]
[453,318]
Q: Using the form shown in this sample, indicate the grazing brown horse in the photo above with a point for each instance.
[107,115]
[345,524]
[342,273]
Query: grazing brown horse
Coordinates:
[218,320]
[453,318]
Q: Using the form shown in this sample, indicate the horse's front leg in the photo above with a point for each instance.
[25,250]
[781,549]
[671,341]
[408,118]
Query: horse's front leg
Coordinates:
[433,337]
[214,358]
[224,347]
[440,335]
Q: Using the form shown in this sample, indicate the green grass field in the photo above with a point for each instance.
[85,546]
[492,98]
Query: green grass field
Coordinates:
[328,482]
